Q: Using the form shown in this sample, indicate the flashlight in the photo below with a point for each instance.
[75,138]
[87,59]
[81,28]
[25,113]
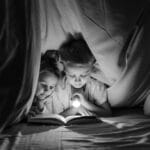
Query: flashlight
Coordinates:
[76,102]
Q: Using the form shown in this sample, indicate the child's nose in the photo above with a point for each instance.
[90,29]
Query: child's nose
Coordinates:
[77,79]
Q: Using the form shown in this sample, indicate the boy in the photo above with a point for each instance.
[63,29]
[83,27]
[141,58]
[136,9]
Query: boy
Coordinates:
[78,64]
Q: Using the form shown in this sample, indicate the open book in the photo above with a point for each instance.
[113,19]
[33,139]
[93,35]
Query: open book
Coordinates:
[56,119]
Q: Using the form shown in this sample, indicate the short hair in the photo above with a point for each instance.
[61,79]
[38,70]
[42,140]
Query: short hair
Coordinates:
[49,62]
[76,50]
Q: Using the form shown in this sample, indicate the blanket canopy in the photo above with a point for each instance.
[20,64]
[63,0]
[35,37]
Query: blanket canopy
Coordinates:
[117,33]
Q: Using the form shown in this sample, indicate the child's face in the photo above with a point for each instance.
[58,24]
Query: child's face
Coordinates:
[78,76]
[46,85]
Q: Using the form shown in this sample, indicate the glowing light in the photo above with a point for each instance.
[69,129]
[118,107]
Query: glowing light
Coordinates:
[76,103]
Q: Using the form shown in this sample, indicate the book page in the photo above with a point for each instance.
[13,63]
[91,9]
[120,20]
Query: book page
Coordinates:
[82,120]
[68,118]
[48,118]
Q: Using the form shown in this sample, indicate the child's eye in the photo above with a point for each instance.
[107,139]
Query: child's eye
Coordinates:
[51,87]
[43,85]
[71,76]
[83,76]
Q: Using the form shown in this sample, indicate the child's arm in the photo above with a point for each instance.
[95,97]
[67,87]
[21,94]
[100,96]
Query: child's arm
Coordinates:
[33,111]
[147,106]
[69,112]
[99,110]
[99,105]
[76,111]
[37,107]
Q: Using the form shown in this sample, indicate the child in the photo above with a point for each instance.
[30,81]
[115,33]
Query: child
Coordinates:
[46,100]
[78,64]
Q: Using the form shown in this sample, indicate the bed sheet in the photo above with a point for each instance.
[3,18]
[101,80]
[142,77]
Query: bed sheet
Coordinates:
[124,131]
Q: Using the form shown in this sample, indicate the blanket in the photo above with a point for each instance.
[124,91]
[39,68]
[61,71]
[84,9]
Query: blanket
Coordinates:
[123,131]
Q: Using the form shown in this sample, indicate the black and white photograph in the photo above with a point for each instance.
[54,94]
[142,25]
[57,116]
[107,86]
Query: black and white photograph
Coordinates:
[74,74]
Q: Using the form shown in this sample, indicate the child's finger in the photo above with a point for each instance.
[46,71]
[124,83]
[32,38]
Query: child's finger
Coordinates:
[83,112]
[34,111]
[77,95]
[38,111]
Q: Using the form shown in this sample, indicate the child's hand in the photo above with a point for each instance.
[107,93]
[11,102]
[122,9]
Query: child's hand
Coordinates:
[80,97]
[40,103]
[38,107]
[83,111]
[69,112]
[34,111]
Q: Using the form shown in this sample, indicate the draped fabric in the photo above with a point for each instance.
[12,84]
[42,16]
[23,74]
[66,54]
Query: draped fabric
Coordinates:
[19,58]
[116,31]
[133,86]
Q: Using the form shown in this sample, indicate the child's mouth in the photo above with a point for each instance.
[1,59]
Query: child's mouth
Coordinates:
[78,85]
[42,96]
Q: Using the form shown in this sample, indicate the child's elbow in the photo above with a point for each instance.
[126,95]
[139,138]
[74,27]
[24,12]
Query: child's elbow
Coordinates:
[146,112]
[108,113]
[107,110]
[147,106]
[105,113]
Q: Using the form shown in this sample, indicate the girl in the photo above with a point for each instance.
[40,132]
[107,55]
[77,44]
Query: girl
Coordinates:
[46,99]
